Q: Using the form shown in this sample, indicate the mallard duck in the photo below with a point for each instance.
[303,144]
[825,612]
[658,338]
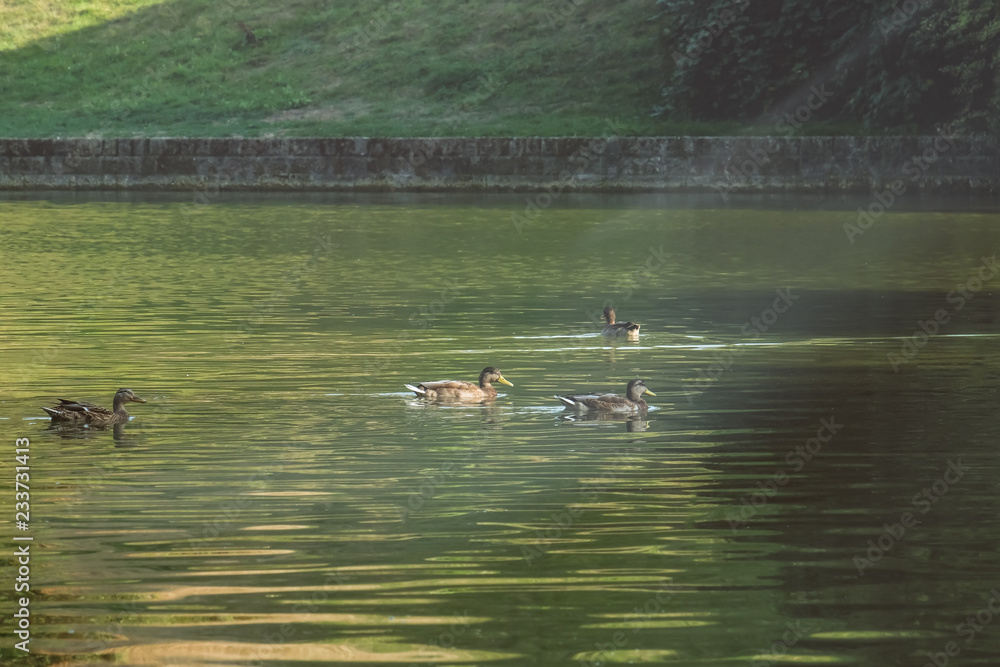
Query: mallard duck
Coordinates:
[631,402]
[629,329]
[87,413]
[460,390]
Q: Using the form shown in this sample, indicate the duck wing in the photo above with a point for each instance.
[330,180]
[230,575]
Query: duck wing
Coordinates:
[82,407]
[457,385]
[612,402]
[620,328]
[578,400]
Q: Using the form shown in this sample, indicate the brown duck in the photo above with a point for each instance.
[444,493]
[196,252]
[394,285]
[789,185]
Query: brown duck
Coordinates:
[78,412]
[615,329]
[461,390]
[631,402]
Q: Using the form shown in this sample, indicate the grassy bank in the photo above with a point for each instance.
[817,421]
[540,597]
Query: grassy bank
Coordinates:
[415,68]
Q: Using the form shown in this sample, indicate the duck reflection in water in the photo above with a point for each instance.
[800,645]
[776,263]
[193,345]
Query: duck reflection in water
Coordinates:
[491,415]
[634,423]
[73,431]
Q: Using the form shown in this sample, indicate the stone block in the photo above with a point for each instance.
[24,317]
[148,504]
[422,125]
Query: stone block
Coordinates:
[176,165]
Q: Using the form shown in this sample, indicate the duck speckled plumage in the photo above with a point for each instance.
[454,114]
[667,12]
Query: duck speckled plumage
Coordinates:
[631,402]
[460,390]
[615,329]
[78,412]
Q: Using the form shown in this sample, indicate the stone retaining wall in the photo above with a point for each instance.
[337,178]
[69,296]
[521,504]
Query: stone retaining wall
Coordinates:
[727,164]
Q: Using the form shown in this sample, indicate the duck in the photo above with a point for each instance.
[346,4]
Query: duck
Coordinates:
[615,329]
[461,390]
[631,402]
[78,412]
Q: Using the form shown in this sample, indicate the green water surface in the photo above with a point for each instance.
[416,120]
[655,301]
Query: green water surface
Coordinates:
[815,482]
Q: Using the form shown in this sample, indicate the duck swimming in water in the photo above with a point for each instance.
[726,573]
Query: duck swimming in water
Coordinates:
[461,390]
[631,402]
[78,412]
[615,329]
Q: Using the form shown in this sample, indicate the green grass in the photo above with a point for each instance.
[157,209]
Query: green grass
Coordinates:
[413,68]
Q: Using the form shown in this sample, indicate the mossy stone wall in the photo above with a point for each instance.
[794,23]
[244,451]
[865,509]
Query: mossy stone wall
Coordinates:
[726,164]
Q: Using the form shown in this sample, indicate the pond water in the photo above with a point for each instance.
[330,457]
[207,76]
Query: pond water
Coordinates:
[815,481]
